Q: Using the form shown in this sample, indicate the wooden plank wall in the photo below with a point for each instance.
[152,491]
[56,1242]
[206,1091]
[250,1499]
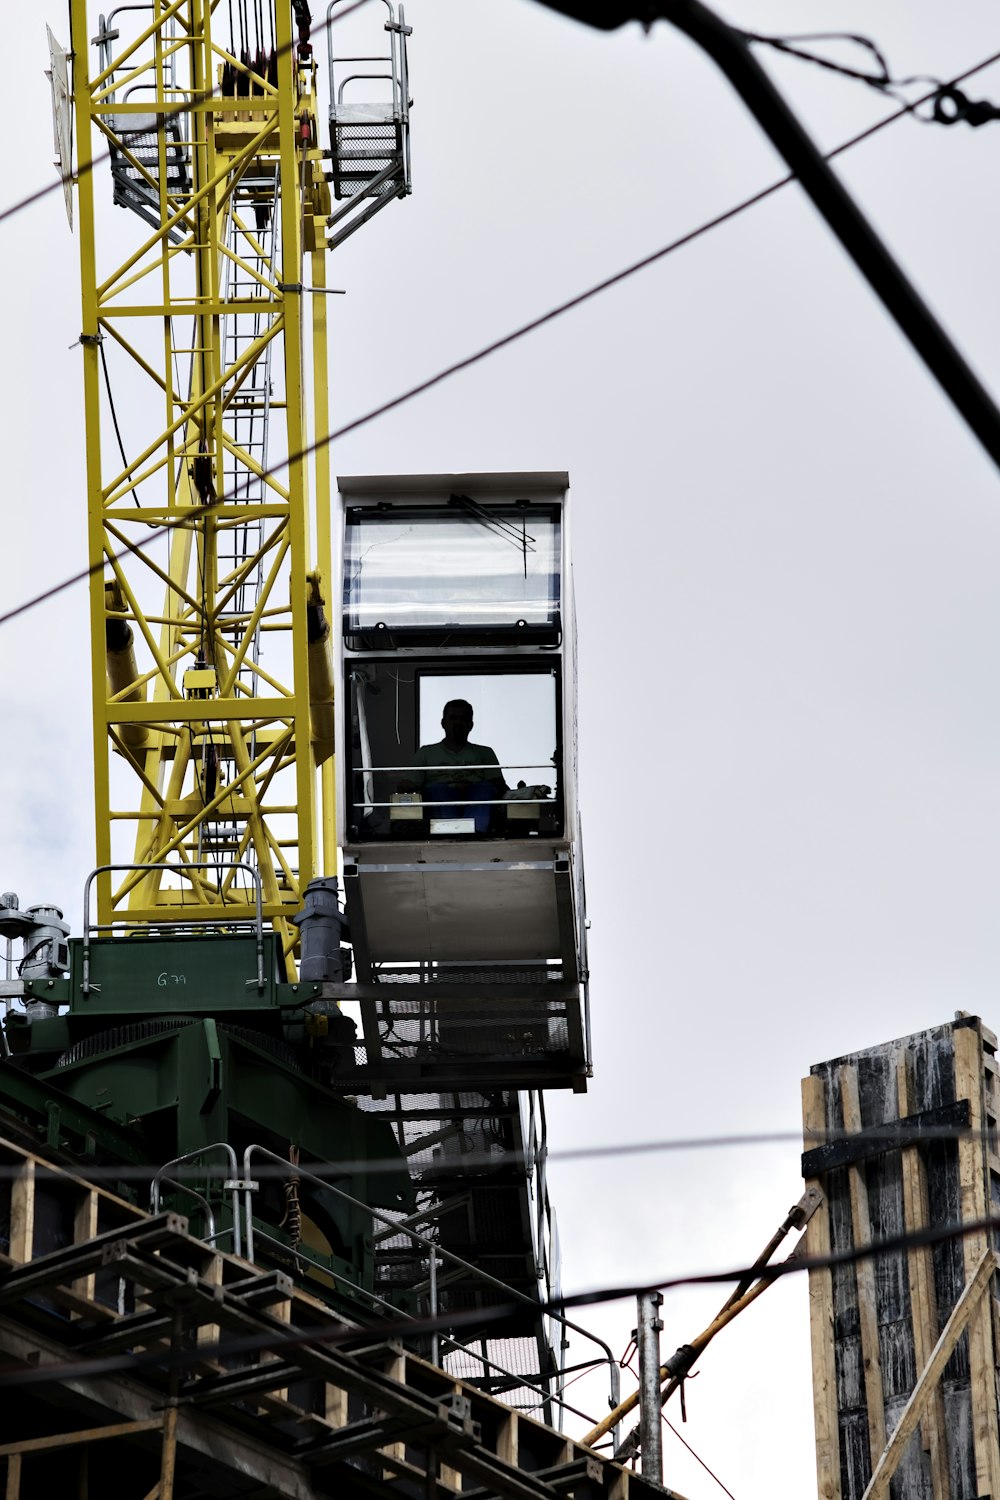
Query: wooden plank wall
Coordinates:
[874,1324]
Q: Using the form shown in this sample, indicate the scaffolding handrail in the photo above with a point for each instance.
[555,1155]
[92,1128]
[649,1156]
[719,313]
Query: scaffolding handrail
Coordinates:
[397,65]
[428,1244]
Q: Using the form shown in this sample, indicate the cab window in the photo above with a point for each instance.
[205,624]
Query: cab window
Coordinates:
[451,574]
[412,776]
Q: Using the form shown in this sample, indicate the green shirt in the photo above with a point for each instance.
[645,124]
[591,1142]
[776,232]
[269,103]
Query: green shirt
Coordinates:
[445,765]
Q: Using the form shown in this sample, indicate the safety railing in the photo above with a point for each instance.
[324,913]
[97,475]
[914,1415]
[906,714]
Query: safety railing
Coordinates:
[396,61]
[459,769]
[437,1258]
[231,1185]
[211,1235]
[224,918]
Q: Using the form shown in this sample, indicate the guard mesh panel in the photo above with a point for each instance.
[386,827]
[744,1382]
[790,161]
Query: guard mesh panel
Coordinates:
[361,152]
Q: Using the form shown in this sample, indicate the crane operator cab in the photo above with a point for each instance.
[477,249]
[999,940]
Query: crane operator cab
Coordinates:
[456,776]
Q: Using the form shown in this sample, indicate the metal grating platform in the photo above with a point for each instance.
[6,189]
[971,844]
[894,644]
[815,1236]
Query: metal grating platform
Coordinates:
[135,167]
[520,1029]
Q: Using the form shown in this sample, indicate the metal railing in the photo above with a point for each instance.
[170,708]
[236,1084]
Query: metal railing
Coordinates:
[211,1236]
[396,60]
[231,1184]
[437,1256]
[224,918]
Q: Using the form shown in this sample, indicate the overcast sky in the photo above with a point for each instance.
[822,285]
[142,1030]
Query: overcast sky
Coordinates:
[786,572]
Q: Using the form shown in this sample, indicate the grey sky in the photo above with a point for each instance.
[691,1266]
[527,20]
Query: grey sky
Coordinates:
[786,577]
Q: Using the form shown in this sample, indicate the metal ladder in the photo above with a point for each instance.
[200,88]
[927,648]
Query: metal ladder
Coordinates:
[252,238]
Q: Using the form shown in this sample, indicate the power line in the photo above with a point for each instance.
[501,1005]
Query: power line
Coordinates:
[696,1456]
[882,80]
[626,273]
[893,1138]
[479,1318]
[518,333]
[949,106]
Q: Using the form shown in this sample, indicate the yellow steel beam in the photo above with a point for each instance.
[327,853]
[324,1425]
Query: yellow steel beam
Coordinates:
[226,564]
[324,513]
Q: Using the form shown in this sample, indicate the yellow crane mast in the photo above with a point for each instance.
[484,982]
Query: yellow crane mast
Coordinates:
[212,681]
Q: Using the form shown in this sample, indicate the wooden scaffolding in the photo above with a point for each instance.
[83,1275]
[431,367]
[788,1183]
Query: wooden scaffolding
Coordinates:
[902,1138]
[140,1362]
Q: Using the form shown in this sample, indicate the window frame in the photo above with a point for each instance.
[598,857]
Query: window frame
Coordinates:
[382,636]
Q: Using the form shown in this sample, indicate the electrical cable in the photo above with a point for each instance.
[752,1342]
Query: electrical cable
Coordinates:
[114,420]
[883,81]
[894,1138]
[949,106]
[337,1335]
[697,1456]
[518,333]
[790,43]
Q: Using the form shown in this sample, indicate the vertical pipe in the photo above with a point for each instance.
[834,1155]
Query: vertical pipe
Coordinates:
[616,1396]
[248,1189]
[89,340]
[235,1210]
[248,1207]
[651,1432]
[292,154]
[7,1000]
[324,524]
[433,1281]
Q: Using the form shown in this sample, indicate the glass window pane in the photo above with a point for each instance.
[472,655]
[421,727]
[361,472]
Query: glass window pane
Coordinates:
[514,715]
[394,788]
[434,569]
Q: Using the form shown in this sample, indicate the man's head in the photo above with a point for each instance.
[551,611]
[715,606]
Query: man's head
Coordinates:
[456,721]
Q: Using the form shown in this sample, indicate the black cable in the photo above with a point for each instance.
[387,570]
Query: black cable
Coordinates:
[892,1136]
[883,81]
[942,358]
[789,43]
[949,106]
[114,419]
[696,1456]
[478,1318]
[510,338]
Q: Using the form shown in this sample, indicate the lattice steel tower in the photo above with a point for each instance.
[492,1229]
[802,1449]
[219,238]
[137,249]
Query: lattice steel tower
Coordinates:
[212,689]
